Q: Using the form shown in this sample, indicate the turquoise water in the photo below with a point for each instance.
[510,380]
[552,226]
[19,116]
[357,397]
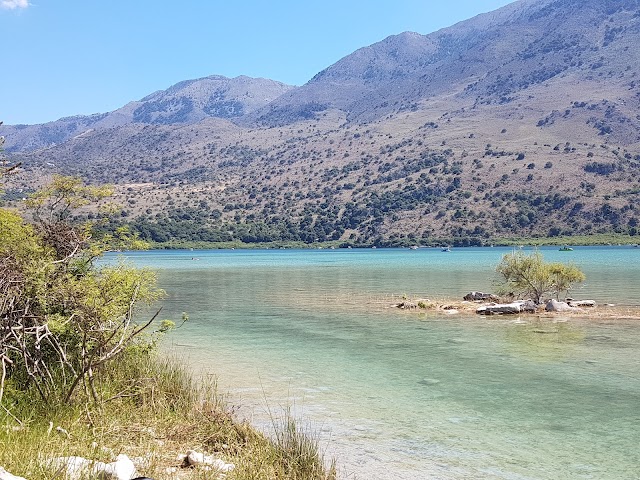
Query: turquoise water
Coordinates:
[396,395]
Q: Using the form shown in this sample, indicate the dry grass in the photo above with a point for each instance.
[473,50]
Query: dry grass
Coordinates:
[168,413]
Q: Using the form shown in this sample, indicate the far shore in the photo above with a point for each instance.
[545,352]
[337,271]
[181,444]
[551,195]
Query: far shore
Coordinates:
[574,241]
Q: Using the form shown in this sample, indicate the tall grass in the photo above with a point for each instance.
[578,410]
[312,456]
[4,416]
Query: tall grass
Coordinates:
[154,409]
[298,449]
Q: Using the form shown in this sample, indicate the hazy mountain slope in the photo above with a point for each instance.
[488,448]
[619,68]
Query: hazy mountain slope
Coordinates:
[184,103]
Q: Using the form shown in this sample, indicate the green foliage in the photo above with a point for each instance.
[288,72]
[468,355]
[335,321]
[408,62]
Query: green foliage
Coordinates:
[601,168]
[63,318]
[528,275]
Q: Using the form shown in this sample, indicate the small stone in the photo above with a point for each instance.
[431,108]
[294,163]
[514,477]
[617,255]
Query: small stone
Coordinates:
[208,461]
[503,309]
[555,306]
[195,458]
[475,296]
[221,465]
[122,469]
[4,475]
[406,305]
[582,303]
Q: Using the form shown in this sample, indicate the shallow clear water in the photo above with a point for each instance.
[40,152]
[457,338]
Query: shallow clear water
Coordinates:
[405,396]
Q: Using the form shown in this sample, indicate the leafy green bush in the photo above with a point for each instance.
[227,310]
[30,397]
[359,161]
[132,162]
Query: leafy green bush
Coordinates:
[63,318]
[531,277]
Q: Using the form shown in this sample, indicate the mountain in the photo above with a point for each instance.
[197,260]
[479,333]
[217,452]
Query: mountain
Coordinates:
[519,122]
[495,57]
[186,102]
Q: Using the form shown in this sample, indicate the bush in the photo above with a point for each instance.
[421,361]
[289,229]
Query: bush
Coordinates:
[62,317]
[529,276]
[600,168]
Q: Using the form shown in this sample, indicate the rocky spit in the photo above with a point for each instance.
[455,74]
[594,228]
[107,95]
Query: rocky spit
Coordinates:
[489,304]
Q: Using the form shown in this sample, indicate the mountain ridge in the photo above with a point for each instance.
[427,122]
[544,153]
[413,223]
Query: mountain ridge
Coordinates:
[185,102]
[520,121]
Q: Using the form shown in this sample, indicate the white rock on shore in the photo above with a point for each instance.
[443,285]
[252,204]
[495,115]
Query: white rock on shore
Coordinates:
[193,458]
[79,467]
[4,475]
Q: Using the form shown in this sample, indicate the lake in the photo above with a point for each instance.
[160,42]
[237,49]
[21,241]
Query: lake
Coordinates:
[399,395]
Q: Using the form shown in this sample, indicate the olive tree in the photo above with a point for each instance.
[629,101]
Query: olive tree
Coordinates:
[529,276]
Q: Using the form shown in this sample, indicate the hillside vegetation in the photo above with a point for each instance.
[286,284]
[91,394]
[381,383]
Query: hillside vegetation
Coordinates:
[519,123]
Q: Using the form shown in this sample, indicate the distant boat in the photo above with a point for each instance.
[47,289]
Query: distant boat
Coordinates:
[413,247]
[446,249]
[566,249]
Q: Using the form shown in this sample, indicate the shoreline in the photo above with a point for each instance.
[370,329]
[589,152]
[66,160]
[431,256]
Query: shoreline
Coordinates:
[577,241]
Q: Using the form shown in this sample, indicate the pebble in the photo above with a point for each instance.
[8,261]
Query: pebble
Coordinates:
[4,475]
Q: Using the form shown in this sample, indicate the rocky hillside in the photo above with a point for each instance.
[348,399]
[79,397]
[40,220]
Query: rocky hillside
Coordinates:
[184,103]
[520,122]
[493,58]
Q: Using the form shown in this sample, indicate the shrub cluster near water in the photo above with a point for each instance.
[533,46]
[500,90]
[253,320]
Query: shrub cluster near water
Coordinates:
[73,356]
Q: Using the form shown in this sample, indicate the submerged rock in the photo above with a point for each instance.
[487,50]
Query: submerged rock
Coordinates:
[428,382]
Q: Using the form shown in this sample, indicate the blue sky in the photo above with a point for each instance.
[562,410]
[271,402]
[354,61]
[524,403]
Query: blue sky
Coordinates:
[67,57]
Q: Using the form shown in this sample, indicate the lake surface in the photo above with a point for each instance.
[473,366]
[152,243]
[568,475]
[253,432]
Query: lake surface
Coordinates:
[397,395]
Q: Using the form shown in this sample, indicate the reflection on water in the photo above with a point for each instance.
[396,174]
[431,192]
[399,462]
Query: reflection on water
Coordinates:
[543,339]
[405,396]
